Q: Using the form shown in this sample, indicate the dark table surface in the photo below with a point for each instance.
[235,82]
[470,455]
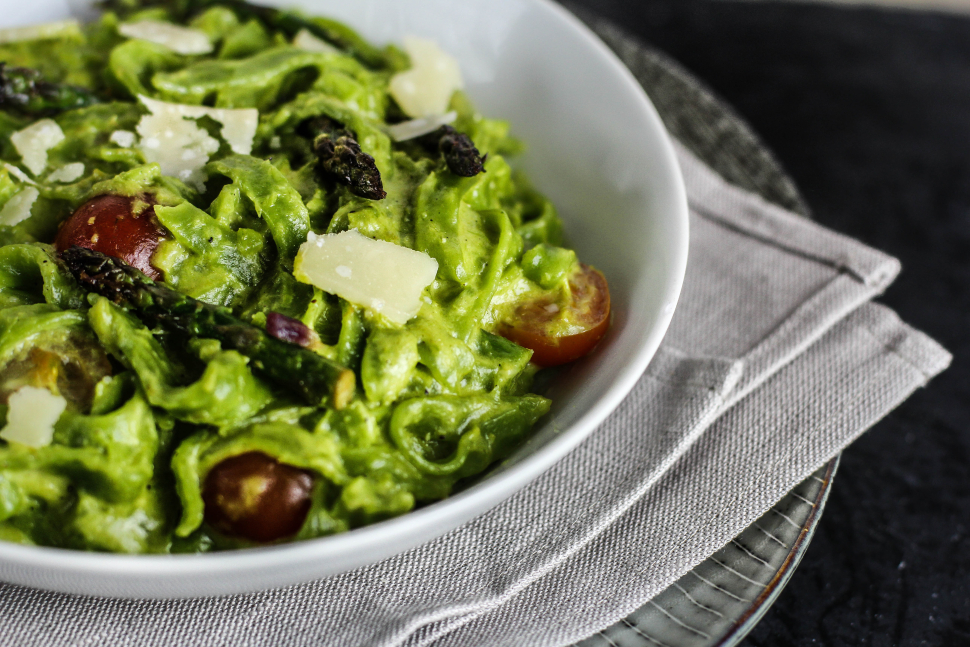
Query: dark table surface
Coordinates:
[869,111]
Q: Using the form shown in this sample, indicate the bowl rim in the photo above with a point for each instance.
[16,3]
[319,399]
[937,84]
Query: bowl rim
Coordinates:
[481,496]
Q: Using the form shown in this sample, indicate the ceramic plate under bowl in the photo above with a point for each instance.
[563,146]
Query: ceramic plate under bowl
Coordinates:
[597,147]
[721,599]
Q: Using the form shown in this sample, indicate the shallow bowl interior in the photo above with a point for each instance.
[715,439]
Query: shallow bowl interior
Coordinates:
[596,146]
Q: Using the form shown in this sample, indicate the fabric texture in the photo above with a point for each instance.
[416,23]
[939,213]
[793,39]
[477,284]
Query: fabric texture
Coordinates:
[775,361]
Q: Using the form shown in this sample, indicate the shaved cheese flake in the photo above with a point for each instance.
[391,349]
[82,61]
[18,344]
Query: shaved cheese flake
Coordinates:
[417,127]
[123,138]
[67,173]
[60,29]
[170,137]
[181,40]
[375,274]
[178,145]
[18,207]
[17,173]
[426,89]
[35,141]
[31,416]
[238,125]
[310,43]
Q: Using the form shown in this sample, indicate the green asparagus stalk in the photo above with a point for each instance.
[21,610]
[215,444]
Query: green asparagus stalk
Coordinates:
[341,157]
[317,379]
[458,149]
[25,91]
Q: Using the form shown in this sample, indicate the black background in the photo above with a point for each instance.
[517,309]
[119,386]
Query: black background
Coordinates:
[869,111]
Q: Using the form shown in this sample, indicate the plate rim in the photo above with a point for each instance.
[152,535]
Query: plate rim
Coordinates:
[761,604]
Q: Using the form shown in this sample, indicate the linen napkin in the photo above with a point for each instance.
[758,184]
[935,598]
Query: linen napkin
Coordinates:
[775,361]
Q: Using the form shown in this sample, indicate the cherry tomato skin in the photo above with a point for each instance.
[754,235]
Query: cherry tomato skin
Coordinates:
[253,496]
[589,310]
[106,224]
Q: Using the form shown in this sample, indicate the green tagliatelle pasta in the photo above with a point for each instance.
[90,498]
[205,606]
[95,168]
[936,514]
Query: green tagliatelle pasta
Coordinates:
[155,404]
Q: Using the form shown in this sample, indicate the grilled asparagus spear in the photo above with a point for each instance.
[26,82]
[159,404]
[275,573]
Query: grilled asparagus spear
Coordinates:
[25,91]
[316,378]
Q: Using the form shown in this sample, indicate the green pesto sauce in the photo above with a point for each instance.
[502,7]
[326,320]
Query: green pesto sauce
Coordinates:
[438,399]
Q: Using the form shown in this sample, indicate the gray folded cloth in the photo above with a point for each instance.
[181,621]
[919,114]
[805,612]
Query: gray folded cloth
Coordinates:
[775,361]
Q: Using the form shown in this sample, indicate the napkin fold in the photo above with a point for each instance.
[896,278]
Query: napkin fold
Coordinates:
[775,361]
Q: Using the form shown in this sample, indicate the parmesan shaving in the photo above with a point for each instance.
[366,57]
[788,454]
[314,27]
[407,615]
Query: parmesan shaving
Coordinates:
[170,137]
[375,274]
[309,43]
[181,40]
[425,90]
[68,173]
[123,138]
[31,416]
[17,173]
[35,141]
[417,127]
[60,29]
[238,125]
[18,207]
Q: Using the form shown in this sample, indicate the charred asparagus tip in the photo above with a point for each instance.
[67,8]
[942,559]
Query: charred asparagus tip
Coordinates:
[460,153]
[341,157]
[25,91]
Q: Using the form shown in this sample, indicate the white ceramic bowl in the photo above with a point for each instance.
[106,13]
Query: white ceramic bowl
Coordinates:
[596,146]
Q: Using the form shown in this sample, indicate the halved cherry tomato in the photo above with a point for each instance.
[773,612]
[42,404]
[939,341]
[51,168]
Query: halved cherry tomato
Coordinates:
[537,324]
[106,224]
[256,497]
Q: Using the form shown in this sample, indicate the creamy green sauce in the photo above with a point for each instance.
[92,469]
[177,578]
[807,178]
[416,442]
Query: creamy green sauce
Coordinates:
[438,399]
